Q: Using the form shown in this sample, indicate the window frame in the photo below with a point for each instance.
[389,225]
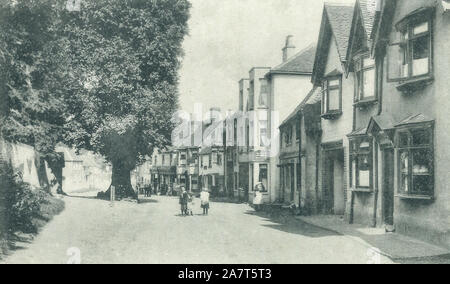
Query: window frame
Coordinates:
[355,153]
[359,73]
[406,26]
[326,112]
[410,149]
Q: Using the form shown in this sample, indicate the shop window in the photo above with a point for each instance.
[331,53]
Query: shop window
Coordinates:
[365,79]
[411,56]
[416,157]
[361,163]
[332,97]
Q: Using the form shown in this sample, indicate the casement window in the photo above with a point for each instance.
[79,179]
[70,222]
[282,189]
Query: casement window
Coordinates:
[183,157]
[288,136]
[411,55]
[297,132]
[415,160]
[332,96]
[263,133]
[210,161]
[365,79]
[264,94]
[251,96]
[361,167]
[219,159]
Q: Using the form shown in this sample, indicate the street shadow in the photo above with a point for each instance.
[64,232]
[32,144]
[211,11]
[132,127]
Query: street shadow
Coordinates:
[146,200]
[286,222]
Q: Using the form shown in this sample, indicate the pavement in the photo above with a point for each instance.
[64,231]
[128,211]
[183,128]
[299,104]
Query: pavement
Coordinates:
[93,231]
[395,246]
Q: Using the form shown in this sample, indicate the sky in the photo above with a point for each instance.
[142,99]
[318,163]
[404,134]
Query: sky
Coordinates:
[229,37]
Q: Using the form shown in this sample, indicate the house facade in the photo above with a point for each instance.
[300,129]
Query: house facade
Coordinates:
[410,128]
[289,83]
[299,161]
[337,88]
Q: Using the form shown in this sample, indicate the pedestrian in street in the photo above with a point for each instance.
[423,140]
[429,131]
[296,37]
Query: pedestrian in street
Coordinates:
[184,196]
[204,197]
[258,198]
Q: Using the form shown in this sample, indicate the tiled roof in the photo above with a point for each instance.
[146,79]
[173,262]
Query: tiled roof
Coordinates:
[413,119]
[302,62]
[368,9]
[340,17]
[314,96]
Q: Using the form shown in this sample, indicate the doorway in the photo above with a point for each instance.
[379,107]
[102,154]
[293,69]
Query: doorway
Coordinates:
[388,186]
[334,194]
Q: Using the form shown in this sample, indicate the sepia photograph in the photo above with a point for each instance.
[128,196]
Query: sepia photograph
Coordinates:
[224,137]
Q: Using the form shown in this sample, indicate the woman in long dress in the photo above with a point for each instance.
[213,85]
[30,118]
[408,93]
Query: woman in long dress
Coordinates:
[258,199]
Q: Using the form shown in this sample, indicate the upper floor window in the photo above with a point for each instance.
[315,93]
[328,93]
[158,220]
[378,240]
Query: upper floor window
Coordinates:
[332,97]
[263,133]
[365,79]
[251,95]
[411,56]
[288,136]
[264,93]
[416,158]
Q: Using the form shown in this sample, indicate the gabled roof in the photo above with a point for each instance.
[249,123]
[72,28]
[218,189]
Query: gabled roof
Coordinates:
[361,29]
[336,21]
[300,63]
[340,18]
[368,11]
[313,97]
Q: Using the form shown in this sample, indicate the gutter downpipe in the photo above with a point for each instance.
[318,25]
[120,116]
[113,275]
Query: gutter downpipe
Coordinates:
[379,89]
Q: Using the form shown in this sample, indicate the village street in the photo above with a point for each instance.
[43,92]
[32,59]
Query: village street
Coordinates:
[91,231]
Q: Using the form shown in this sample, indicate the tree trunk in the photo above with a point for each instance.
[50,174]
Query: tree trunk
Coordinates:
[121,180]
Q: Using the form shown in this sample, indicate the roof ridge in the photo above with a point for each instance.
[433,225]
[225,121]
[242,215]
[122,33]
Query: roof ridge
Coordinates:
[295,56]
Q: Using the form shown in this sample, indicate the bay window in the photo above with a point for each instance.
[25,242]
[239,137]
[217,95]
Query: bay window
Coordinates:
[361,166]
[332,97]
[415,159]
[264,94]
[410,56]
[365,79]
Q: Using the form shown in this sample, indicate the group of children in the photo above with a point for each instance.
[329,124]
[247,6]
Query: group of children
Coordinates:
[187,202]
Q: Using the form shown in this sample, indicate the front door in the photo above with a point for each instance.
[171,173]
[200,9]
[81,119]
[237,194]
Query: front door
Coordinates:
[388,186]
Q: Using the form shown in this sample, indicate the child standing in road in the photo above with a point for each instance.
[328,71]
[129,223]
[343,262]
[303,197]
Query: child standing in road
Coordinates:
[204,197]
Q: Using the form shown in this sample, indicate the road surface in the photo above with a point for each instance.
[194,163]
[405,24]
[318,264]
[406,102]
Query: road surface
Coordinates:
[91,231]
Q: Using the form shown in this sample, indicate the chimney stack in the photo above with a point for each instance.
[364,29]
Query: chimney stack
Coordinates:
[289,48]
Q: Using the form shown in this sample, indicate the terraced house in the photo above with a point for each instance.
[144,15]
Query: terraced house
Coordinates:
[337,87]
[410,129]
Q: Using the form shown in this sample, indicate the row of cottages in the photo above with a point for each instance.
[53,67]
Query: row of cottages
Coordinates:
[265,100]
[197,158]
[373,142]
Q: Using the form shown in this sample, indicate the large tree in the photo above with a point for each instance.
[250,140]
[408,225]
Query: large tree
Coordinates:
[102,78]
[117,72]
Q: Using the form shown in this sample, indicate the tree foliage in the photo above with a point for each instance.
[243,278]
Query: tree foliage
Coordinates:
[103,78]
